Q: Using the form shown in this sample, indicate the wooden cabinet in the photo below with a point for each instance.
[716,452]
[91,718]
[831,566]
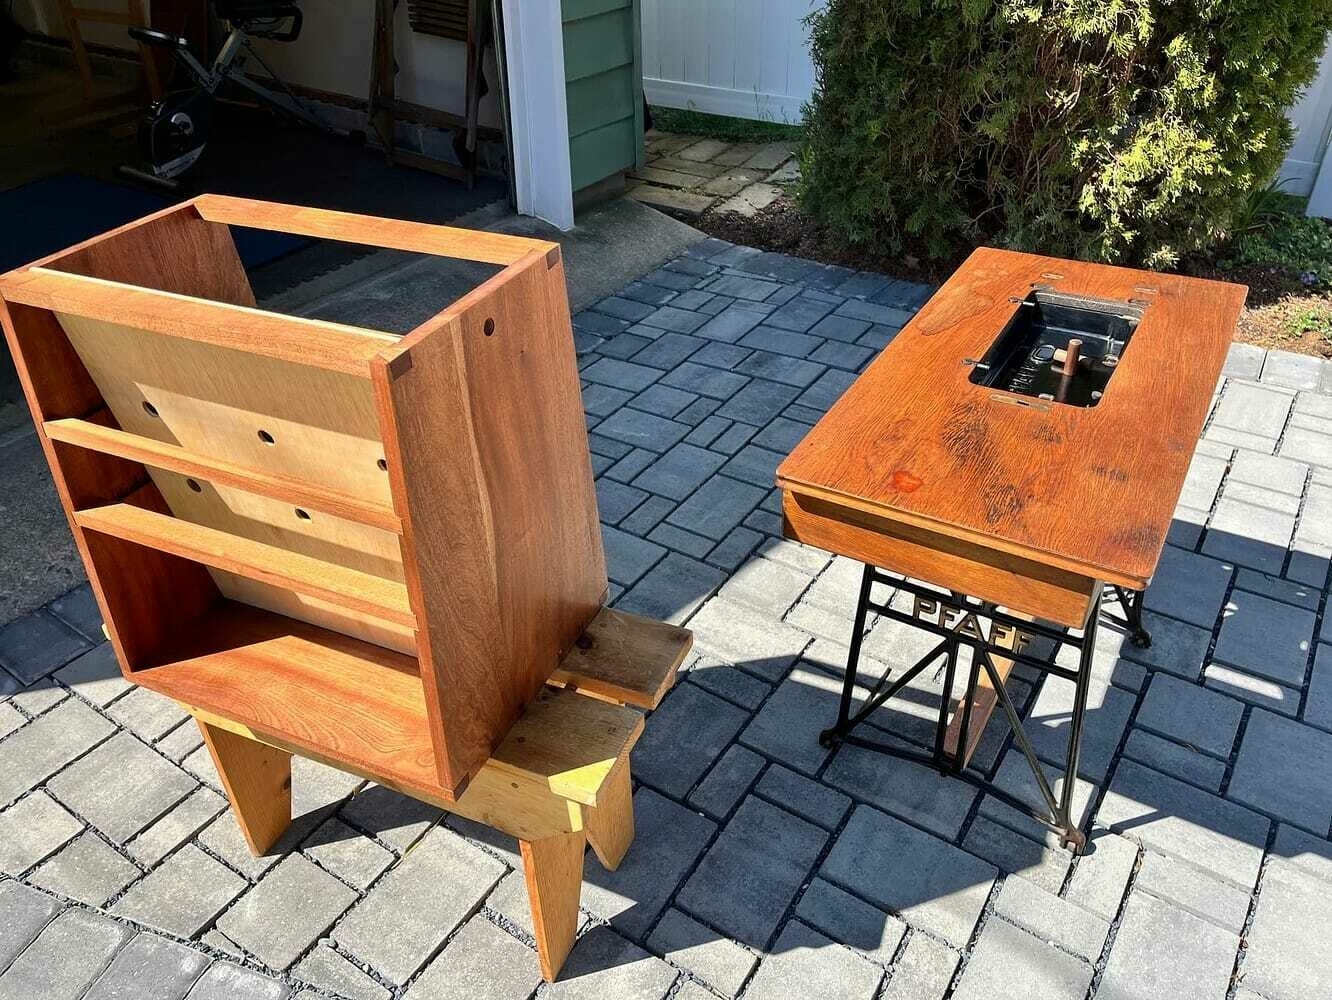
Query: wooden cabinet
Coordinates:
[374,548]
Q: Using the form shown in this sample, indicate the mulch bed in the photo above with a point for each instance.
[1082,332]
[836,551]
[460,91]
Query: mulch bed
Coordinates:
[1276,298]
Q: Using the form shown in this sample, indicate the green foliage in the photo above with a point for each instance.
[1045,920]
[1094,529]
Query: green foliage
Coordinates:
[721,127]
[1312,320]
[1288,240]
[1118,130]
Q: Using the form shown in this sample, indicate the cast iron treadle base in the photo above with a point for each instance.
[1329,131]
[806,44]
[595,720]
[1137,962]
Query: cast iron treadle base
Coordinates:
[968,631]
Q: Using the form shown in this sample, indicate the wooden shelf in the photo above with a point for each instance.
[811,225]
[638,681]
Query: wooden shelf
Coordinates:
[354,702]
[173,458]
[347,588]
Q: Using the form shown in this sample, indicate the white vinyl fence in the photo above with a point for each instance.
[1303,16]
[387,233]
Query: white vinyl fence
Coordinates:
[750,59]
[741,58]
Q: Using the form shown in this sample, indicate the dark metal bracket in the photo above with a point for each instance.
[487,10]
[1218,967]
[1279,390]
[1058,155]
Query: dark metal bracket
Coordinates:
[1058,813]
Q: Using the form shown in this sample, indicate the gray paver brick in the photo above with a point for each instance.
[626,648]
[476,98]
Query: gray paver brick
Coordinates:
[121,787]
[603,964]
[851,921]
[66,958]
[1283,769]
[662,400]
[844,328]
[481,963]
[760,837]
[668,840]
[95,675]
[1189,587]
[931,884]
[727,782]
[23,914]
[1194,890]
[1015,777]
[1249,535]
[628,557]
[827,390]
[1269,472]
[1191,714]
[1164,953]
[787,726]
[768,587]
[185,894]
[668,350]
[329,971]
[1301,444]
[1108,711]
[788,365]
[923,972]
[728,681]
[1266,637]
[32,829]
[799,313]
[42,747]
[904,788]
[717,960]
[754,465]
[86,870]
[1318,705]
[805,963]
[147,714]
[673,590]
[690,730]
[1015,854]
[1253,409]
[734,549]
[1244,361]
[1051,918]
[642,430]
[806,798]
[718,506]
[352,856]
[287,912]
[431,892]
[1010,964]
[1170,816]
[615,501]
[680,471]
[78,608]
[1102,874]
[734,438]
[150,968]
[759,401]
[1175,759]
[1290,591]
[1255,690]
[730,324]
[176,827]
[1288,957]
[224,981]
[37,644]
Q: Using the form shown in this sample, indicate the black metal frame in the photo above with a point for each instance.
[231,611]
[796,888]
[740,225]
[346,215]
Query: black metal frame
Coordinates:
[1059,815]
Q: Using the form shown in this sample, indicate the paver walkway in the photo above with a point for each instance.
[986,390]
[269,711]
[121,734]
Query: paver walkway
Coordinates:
[764,867]
[687,175]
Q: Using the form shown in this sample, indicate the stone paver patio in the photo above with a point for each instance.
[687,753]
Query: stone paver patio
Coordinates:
[764,866]
[687,175]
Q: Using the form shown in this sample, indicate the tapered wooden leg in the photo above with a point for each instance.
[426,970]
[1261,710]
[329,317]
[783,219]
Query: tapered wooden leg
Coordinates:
[610,826]
[257,778]
[553,868]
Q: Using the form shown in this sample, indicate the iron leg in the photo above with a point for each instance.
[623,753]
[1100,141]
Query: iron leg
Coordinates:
[832,736]
[1132,604]
[1073,837]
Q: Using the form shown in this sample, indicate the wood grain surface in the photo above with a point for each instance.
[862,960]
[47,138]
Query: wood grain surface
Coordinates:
[1088,490]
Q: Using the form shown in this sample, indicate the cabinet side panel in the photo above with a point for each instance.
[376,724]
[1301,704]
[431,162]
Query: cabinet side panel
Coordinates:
[484,424]
[178,252]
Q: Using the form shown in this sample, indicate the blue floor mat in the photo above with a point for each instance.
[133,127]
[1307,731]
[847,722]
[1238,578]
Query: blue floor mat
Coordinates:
[48,215]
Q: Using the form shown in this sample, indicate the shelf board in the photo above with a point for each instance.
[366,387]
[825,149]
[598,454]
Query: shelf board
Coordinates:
[624,658]
[347,588]
[173,458]
[352,702]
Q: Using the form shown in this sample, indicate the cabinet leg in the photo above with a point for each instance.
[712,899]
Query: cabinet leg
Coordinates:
[610,826]
[257,778]
[553,868]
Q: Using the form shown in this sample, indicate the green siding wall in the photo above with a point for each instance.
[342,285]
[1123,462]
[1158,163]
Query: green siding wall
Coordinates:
[604,80]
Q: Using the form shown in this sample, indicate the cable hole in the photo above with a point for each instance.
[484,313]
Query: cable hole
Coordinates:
[194,485]
[266,438]
[489,328]
[150,409]
[302,514]
[382,464]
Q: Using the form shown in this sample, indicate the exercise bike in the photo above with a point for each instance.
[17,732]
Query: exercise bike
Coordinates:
[175,131]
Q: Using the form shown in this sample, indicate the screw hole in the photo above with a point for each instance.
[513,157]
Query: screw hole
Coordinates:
[383,465]
[302,514]
[149,409]
[194,485]
[266,438]
[489,328]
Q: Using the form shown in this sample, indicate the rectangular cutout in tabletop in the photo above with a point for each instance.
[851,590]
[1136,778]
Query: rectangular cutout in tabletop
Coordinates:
[1062,348]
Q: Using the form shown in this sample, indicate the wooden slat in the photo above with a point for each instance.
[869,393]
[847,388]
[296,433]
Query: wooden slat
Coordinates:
[394,234]
[252,560]
[1091,490]
[161,455]
[329,346]
[987,699]
[624,658]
